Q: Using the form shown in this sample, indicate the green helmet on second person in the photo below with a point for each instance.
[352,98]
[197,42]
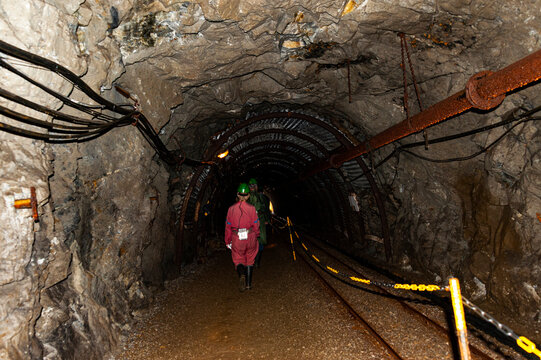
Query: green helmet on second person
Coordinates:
[243,189]
[252,181]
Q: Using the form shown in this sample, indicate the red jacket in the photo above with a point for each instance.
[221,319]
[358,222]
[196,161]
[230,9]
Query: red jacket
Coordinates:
[241,216]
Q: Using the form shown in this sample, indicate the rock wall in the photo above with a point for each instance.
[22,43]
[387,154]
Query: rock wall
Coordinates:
[475,219]
[25,245]
[70,282]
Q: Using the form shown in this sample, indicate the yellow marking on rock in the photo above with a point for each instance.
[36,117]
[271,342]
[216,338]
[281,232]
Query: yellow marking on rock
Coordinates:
[290,44]
[350,6]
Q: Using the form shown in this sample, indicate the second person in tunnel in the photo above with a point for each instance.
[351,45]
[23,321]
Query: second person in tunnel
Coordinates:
[241,233]
[261,203]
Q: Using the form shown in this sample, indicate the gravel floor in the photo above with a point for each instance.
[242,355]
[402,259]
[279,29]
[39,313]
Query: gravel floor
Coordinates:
[287,315]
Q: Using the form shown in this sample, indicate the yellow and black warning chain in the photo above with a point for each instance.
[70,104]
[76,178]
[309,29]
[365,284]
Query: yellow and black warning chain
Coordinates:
[335,272]
[522,341]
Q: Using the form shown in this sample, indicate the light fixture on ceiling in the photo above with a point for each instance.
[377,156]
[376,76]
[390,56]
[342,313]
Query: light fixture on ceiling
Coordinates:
[223,154]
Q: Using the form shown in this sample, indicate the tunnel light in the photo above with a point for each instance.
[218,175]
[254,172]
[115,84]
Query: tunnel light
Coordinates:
[224,154]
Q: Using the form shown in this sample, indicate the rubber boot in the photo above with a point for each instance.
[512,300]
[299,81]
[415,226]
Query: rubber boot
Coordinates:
[241,270]
[257,262]
[249,272]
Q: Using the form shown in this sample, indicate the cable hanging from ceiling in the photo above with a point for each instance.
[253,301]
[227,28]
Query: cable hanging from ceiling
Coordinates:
[91,121]
[515,120]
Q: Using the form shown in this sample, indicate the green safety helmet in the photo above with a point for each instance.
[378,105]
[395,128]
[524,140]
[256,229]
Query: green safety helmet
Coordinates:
[252,181]
[243,189]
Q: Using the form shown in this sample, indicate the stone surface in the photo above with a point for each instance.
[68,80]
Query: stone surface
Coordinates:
[107,229]
[26,163]
[76,298]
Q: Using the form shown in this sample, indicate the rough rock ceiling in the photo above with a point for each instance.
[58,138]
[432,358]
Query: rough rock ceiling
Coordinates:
[214,58]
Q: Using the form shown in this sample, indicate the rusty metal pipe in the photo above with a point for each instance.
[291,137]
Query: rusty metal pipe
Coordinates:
[512,77]
[485,91]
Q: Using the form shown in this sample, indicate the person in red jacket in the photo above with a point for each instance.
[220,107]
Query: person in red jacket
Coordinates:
[241,232]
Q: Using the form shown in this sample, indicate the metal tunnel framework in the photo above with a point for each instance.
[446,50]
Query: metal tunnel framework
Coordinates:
[278,145]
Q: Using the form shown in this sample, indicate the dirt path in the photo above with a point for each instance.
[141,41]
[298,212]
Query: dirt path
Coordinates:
[287,315]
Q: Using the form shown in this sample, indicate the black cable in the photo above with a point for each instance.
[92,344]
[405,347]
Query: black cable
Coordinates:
[65,100]
[53,113]
[70,128]
[485,149]
[61,70]
[52,138]
[474,131]
[55,127]
[399,149]
[64,132]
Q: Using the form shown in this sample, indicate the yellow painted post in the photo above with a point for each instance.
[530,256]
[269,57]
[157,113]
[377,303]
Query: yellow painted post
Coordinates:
[291,238]
[460,320]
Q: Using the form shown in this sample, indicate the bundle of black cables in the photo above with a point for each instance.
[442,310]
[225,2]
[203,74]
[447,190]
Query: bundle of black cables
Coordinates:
[94,119]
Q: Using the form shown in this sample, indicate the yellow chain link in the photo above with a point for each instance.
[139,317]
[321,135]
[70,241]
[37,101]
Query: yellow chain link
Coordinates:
[528,346]
[366,281]
[331,269]
[417,287]
[414,287]
[523,342]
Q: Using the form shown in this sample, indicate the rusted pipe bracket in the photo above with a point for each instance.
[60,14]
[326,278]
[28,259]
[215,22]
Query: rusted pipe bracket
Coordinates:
[473,96]
[136,118]
[31,203]
[127,95]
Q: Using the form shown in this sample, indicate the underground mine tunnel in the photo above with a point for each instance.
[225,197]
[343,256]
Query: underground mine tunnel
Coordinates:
[405,132]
